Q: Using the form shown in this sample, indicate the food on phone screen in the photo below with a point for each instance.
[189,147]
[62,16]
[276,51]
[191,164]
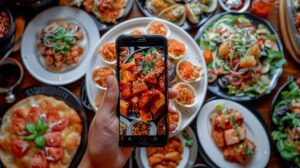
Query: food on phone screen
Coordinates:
[142,85]
[174,120]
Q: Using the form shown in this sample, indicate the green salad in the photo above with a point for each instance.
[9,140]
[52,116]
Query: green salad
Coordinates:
[286,118]
[240,56]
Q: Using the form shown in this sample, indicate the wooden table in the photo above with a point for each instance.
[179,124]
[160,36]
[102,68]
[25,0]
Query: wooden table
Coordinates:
[263,107]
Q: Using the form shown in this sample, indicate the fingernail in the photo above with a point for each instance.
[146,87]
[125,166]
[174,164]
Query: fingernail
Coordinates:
[110,81]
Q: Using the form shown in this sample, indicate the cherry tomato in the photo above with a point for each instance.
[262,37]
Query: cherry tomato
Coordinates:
[54,154]
[52,116]
[212,76]
[18,125]
[33,114]
[53,139]
[208,56]
[60,124]
[19,147]
[39,160]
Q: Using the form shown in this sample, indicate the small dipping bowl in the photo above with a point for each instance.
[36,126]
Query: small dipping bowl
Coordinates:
[11,75]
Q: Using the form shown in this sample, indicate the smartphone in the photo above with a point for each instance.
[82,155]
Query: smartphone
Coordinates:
[143,101]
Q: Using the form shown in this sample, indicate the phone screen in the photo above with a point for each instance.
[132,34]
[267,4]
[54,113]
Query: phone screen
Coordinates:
[143,100]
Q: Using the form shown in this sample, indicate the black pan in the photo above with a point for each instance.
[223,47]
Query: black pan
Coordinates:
[70,99]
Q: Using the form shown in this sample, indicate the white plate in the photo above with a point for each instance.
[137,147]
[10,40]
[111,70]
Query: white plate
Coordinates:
[30,55]
[255,132]
[189,155]
[193,54]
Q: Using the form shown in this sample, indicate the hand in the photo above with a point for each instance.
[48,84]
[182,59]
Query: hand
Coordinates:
[103,140]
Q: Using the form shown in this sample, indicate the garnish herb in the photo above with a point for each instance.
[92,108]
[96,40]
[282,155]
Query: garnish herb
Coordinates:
[36,132]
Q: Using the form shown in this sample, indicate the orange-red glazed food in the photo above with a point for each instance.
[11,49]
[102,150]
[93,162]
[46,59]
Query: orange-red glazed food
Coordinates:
[229,134]
[100,74]
[185,94]
[158,27]
[140,129]
[108,52]
[167,156]
[188,71]
[142,85]
[176,48]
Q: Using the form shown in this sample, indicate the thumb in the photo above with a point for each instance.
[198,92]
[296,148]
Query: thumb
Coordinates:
[111,96]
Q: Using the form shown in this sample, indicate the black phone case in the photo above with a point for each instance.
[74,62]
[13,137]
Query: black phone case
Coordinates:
[143,41]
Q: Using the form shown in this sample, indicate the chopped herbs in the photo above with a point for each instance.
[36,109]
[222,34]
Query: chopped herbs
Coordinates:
[188,139]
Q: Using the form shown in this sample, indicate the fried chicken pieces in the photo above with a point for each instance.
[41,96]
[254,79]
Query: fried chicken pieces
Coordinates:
[168,156]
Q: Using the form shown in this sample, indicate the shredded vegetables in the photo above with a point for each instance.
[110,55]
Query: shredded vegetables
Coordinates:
[60,44]
[286,118]
[241,56]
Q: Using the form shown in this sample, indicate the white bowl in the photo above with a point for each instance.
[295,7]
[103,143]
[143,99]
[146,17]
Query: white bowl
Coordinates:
[156,20]
[98,86]
[243,9]
[193,89]
[180,77]
[178,57]
[103,59]
[172,133]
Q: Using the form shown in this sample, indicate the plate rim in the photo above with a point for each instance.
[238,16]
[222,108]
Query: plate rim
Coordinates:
[88,55]
[31,91]
[201,151]
[243,99]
